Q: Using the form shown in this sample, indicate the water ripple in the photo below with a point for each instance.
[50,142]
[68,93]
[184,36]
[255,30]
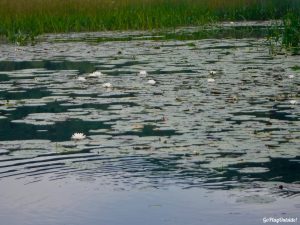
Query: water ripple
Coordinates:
[185,129]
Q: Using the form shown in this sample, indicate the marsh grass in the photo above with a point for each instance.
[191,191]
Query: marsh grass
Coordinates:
[22,20]
[284,36]
[201,32]
[291,32]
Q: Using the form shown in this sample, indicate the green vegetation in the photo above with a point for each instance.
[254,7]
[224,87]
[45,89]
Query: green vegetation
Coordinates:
[291,32]
[285,35]
[23,20]
[295,68]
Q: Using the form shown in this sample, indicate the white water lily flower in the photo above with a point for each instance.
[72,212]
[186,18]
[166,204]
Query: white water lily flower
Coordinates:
[293,102]
[212,72]
[152,82]
[143,73]
[95,74]
[81,79]
[210,80]
[107,85]
[78,136]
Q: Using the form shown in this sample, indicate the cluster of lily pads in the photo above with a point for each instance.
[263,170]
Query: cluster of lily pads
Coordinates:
[215,106]
[99,74]
[144,73]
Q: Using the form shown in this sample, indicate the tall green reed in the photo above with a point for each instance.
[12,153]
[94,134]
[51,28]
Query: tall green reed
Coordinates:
[284,36]
[291,32]
[22,20]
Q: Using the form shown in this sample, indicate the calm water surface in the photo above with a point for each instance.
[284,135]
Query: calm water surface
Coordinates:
[178,152]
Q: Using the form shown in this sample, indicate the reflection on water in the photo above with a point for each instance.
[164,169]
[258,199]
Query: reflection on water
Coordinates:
[81,201]
[240,131]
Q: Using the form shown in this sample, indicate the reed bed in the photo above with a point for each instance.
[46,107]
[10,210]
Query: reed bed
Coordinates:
[285,37]
[24,19]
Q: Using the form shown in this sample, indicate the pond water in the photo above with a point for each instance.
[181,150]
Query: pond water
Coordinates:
[195,148]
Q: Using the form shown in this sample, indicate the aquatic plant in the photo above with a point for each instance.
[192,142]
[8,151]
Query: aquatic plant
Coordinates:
[291,32]
[81,79]
[285,35]
[210,80]
[21,21]
[152,82]
[274,38]
[78,136]
[295,68]
[143,73]
[293,102]
[95,74]
[21,38]
[107,85]
[212,72]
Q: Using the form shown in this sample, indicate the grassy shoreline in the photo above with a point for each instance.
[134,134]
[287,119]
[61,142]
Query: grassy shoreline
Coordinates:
[23,20]
[52,16]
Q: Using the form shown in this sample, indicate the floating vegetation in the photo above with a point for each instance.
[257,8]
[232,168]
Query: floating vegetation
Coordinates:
[184,130]
[152,82]
[78,136]
[295,68]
